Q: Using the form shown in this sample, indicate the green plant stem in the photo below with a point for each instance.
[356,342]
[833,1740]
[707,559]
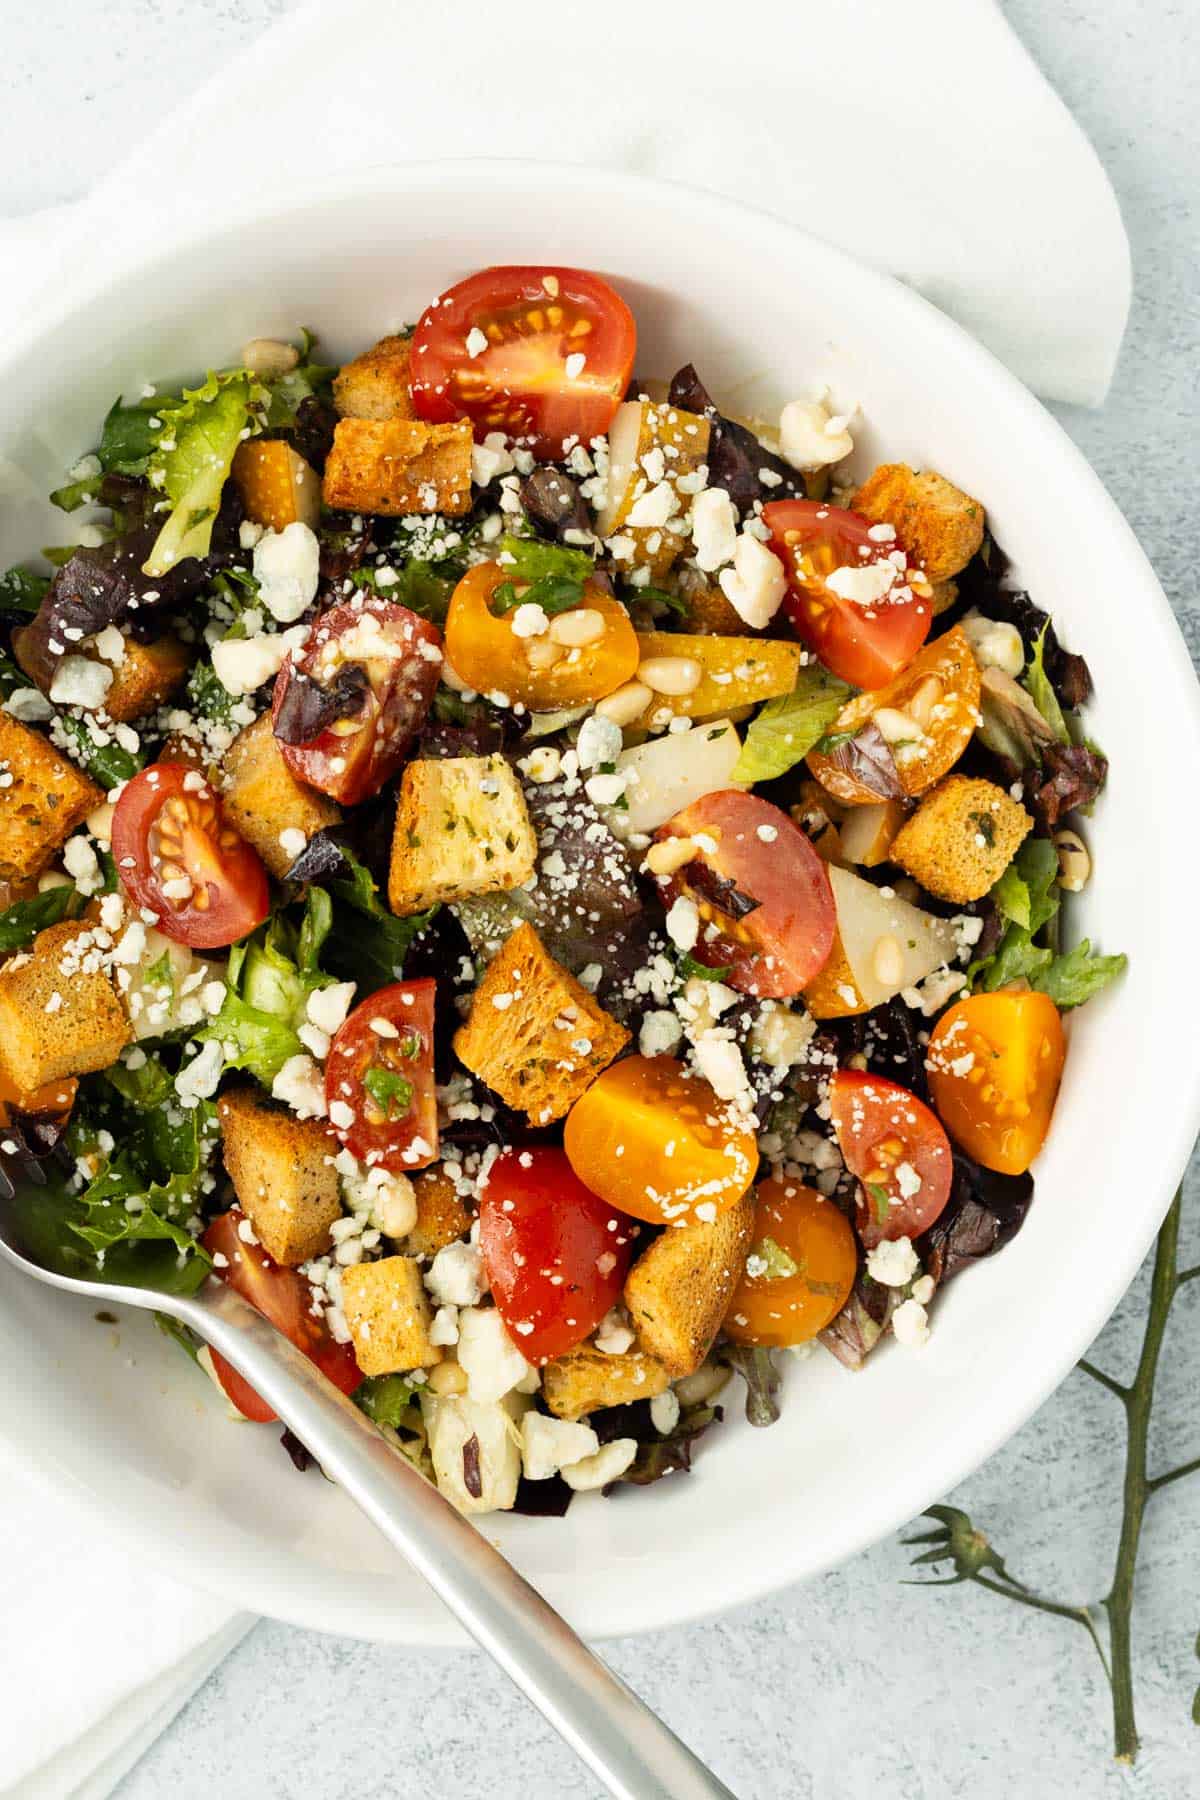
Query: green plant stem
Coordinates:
[1118,1603]
[1080,1615]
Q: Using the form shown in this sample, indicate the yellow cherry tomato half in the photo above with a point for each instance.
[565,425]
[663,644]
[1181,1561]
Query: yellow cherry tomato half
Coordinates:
[589,650]
[994,1065]
[800,1270]
[655,1142]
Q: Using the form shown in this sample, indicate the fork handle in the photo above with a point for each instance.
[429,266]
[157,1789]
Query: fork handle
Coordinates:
[626,1745]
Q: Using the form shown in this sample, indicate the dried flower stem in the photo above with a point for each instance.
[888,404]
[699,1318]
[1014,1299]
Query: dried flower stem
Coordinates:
[975,1560]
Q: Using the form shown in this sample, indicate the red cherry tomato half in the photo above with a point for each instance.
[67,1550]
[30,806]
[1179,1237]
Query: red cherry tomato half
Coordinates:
[283,1296]
[898,1150]
[763,894]
[556,1255]
[865,641]
[379,1084]
[541,354]
[177,856]
[388,661]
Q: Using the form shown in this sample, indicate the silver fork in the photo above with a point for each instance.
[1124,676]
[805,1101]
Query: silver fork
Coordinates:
[625,1745]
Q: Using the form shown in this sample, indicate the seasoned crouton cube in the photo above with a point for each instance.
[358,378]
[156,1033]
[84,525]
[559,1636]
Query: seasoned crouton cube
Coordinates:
[586,1378]
[264,801]
[375,385]
[388,1315]
[278,487]
[961,838]
[59,1011]
[44,798]
[144,676]
[679,1289]
[397,466]
[534,1035]
[651,447]
[462,828]
[709,612]
[940,527]
[441,1216]
[282,1171]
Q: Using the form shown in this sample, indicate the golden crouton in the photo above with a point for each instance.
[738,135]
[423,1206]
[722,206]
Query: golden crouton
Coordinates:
[462,828]
[263,799]
[59,1011]
[940,527]
[388,1315]
[282,1171]
[397,466]
[534,1035]
[144,678]
[944,594]
[585,1379]
[709,613]
[961,838]
[376,384]
[277,486]
[441,1216]
[42,799]
[679,1289]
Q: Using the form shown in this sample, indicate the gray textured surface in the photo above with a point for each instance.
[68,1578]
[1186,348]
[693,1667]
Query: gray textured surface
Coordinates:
[856,1684]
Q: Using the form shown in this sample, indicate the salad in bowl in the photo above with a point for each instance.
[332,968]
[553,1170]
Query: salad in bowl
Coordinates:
[550,888]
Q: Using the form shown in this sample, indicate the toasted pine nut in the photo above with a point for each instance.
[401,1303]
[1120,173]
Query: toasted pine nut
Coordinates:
[447,1378]
[887,960]
[895,726]
[1074,863]
[669,854]
[583,625]
[921,704]
[625,704]
[542,652]
[267,356]
[671,674]
[99,822]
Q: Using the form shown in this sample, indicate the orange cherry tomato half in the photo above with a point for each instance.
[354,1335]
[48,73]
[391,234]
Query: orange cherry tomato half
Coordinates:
[281,1295]
[831,559]
[804,1260]
[994,1065]
[899,1151]
[389,660]
[655,1142]
[178,857]
[541,354]
[485,652]
[555,1253]
[379,1083]
[766,907]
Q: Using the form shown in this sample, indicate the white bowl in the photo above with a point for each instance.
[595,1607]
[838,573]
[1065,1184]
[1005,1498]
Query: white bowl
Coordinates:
[764,311]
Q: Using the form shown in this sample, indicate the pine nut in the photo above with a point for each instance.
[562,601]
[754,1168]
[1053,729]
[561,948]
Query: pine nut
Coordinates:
[896,727]
[625,704]
[887,961]
[671,674]
[1074,863]
[584,625]
[446,1378]
[542,652]
[99,822]
[922,703]
[267,356]
[669,854]
[395,1207]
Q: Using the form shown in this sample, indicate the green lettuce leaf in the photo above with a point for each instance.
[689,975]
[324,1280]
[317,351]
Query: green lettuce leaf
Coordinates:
[1037,685]
[1027,893]
[418,585]
[785,730]
[533,559]
[21,591]
[261,1042]
[21,922]
[385,1398]
[1077,974]
[370,947]
[192,457]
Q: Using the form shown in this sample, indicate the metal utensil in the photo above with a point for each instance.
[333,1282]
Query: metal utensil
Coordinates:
[625,1745]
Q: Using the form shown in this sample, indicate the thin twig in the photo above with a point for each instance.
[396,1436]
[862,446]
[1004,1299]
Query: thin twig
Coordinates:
[1162,1481]
[1114,1387]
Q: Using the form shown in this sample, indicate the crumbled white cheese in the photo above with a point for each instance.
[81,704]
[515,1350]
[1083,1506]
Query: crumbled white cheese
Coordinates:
[714,529]
[299,1084]
[683,923]
[243,664]
[660,1033]
[548,1445]
[29,705]
[78,681]
[600,741]
[287,567]
[996,643]
[608,1464]
[756,583]
[651,510]
[893,1263]
[664,1412]
[292,841]
[487,1355]
[810,437]
[454,1278]
[720,1062]
[910,1323]
[198,1079]
[110,645]
[489,459]
[614,1334]
[327,1007]
[81,864]
[865,585]
[529,621]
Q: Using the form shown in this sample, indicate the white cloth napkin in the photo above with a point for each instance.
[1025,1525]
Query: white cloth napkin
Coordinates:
[920,137]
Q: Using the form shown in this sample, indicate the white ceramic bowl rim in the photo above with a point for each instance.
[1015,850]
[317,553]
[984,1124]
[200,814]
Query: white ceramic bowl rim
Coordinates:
[1039,1361]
